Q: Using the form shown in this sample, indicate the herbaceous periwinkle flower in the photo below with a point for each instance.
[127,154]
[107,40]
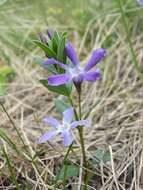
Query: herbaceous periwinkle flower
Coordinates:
[140,2]
[63,129]
[73,71]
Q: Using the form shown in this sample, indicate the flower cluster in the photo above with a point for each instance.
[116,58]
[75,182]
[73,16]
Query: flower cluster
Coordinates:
[63,63]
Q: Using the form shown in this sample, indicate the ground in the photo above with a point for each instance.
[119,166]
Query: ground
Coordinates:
[114,105]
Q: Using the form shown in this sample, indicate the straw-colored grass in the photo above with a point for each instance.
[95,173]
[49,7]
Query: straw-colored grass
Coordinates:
[114,105]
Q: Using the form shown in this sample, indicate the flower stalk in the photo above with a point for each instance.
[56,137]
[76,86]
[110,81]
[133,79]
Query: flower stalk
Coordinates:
[80,130]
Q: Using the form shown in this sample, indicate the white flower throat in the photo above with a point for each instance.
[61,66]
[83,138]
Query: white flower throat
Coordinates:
[63,127]
[74,72]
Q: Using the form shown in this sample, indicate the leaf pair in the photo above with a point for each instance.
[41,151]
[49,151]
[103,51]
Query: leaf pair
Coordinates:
[54,48]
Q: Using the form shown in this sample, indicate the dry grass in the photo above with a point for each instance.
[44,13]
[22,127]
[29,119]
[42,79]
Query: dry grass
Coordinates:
[114,105]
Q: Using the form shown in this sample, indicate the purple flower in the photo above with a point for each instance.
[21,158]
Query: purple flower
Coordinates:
[63,128]
[74,72]
[49,33]
[140,2]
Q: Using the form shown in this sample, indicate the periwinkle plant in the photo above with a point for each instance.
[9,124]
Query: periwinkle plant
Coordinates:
[61,60]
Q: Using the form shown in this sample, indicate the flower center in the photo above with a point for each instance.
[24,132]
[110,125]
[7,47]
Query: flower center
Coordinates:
[64,126]
[74,72]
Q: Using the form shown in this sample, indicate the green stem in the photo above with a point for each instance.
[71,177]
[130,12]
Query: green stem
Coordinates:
[79,104]
[64,163]
[75,113]
[125,22]
[80,130]
[85,174]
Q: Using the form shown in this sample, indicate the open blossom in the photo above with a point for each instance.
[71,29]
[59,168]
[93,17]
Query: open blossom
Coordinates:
[73,71]
[140,2]
[63,129]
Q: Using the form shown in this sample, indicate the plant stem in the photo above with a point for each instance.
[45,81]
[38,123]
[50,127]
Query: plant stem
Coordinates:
[80,130]
[85,174]
[64,163]
[125,22]
[75,113]
[79,104]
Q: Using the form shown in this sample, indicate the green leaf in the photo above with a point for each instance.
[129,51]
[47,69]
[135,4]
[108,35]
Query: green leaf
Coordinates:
[61,89]
[60,105]
[64,34]
[38,60]
[49,52]
[60,50]
[100,156]
[71,171]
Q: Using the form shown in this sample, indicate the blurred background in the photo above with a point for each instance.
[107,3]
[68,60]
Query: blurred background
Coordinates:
[115,102]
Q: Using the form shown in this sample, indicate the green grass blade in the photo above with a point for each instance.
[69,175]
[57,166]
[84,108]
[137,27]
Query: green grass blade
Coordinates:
[125,23]
[13,124]
[9,141]
[10,168]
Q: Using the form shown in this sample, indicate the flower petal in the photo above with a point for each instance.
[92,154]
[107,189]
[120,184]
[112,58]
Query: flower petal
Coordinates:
[96,57]
[48,136]
[56,80]
[68,115]
[80,123]
[67,138]
[52,61]
[51,121]
[49,33]
[92,76]
[70,52]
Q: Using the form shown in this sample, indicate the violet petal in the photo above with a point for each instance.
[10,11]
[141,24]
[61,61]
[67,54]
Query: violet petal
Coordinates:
[68,115]
[67,138]
[70,52]
[92,76]
[56,80]
[51,121]
[48,136]
[96,57]
[49,33]
[80,123]
[52,61]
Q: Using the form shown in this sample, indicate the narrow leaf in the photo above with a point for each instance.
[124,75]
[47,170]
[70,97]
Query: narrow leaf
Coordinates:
[60,105]
[8,140]
[49,52]
[38,60]
[60,50]
[61,89]
[10,167]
